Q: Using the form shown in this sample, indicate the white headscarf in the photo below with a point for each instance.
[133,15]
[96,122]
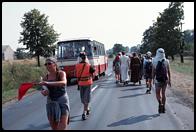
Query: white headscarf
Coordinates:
[149,53]
[160,54]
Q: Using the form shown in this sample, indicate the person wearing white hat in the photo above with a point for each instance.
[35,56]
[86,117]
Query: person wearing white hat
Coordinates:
[161,77]
[148,71]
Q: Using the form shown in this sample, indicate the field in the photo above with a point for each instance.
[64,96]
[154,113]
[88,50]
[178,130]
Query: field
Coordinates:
[186,68]
[16,72]
[182,79]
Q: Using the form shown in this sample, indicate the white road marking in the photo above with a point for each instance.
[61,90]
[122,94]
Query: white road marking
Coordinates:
[97,85]
[109,74]
[94,88]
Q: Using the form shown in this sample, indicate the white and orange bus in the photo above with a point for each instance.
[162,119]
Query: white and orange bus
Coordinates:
[69,50]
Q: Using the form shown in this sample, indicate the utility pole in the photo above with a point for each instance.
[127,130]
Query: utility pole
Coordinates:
[181,43]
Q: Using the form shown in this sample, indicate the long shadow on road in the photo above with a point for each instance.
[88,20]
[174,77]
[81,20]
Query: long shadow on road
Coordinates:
[38,127]
[133,120]
[138,88]
[134,95]
[72,118]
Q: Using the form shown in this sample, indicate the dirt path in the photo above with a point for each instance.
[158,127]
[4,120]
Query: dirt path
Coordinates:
[183,88]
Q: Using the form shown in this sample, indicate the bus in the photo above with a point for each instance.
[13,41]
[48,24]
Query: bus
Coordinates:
[68,56]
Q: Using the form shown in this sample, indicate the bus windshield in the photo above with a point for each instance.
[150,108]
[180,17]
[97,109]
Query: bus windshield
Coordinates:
[72,49]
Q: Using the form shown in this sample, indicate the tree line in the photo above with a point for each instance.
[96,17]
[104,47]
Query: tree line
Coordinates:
[166,32]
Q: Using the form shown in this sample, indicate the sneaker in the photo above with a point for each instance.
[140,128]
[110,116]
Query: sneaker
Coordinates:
[160,110]
[147,91]
[88,112]
[83,116]
[163,109]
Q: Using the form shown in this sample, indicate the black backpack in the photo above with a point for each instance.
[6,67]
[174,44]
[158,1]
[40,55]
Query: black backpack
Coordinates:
[148,67]
[161,71]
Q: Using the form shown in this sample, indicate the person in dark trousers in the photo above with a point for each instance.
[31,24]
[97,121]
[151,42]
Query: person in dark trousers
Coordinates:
[84,74]
[57,106]
[161,77]
[148,71]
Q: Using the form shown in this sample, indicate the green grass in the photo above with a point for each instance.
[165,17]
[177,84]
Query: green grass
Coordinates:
[15,73]
[186,68]
[8,95]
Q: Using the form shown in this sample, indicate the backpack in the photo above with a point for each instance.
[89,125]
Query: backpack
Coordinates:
[161,72]
[117,65]
[148,67]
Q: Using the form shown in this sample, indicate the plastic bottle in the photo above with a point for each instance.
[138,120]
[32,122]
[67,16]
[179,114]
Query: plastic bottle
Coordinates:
[43,86]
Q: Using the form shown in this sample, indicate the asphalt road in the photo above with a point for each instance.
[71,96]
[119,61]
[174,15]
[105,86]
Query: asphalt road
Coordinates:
[112,107]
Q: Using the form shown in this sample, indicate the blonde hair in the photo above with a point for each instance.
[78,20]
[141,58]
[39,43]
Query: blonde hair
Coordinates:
[54,60]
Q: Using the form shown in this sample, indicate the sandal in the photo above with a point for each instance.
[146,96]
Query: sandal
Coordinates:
[88,112]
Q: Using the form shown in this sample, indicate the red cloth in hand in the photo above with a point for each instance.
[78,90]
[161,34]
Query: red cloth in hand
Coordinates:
[23,89]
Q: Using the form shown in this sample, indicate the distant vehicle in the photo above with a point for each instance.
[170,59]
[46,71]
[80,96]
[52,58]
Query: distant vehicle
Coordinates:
[68,56]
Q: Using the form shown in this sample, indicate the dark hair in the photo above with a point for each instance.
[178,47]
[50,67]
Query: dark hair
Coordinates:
[134,54]
[123,53]
[82,56]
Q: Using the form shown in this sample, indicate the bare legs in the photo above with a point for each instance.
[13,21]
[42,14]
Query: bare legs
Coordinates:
[148,85]
[62,125]
[117,76]
[161,98]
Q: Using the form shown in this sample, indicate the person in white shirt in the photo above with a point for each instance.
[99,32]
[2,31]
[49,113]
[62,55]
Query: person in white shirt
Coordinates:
[124,68]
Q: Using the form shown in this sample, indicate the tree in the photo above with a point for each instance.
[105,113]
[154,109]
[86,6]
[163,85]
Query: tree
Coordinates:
[189,42]
[118,48]
[38,36]
[20,54]
[148,41]
[166,31]
[188,37]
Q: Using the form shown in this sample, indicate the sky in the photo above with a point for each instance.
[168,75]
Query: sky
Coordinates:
[106,22]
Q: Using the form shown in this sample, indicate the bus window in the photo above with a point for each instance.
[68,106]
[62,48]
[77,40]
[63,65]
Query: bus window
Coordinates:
[95,48]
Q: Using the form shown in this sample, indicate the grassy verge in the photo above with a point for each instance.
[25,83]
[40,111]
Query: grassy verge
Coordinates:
[16,72]
[186,68]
